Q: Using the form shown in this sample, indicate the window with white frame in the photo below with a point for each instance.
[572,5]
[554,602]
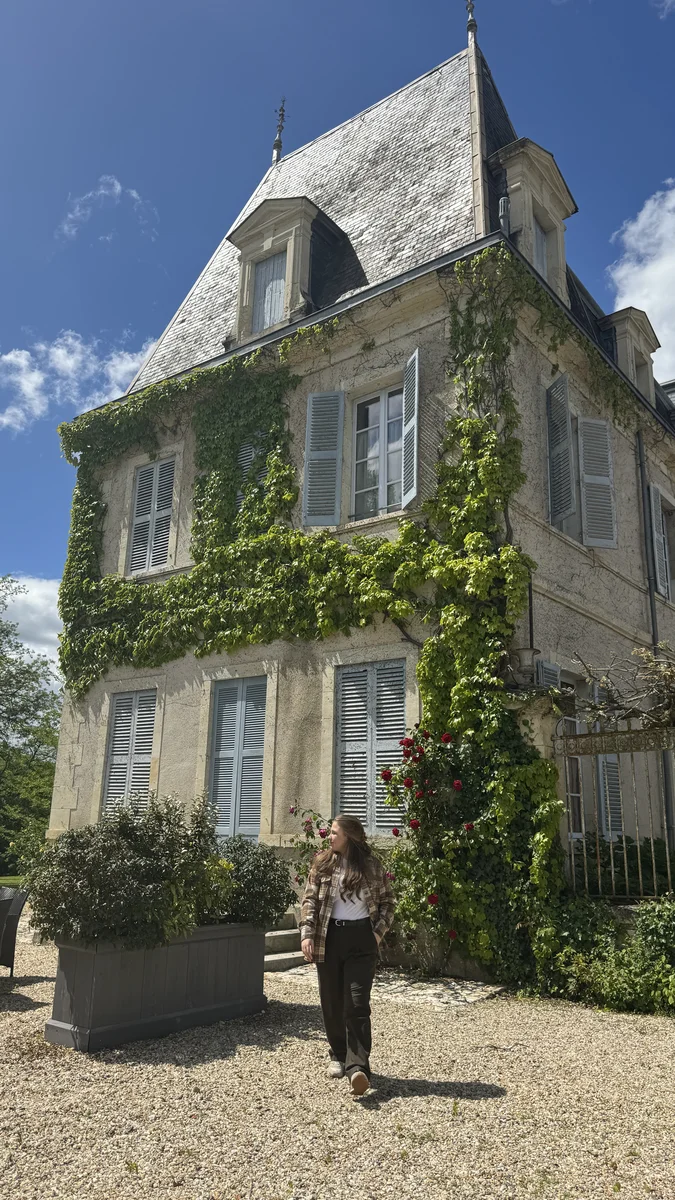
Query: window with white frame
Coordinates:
[573,784]
[540,249]
[129,758]
[378,455]
[663,538]
[269,292]
[370,721]
[151,525]
[237,754]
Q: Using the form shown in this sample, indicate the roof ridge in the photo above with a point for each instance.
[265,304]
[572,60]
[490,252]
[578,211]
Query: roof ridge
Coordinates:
[362,113]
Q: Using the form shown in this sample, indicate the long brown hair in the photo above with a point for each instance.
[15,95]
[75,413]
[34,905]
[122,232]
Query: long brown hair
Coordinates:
[358,858]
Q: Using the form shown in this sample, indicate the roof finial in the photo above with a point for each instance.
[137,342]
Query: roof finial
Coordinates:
[280,112]
[471,23]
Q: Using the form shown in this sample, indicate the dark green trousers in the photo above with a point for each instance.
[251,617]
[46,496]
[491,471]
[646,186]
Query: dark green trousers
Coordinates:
[345,980]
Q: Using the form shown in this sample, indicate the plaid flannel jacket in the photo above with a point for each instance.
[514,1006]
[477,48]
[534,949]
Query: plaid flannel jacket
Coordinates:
[320,895]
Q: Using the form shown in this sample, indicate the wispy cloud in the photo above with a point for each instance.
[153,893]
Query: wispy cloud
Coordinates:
[665,7]
[108,193]
[70,371]
[35,613]
[643,275]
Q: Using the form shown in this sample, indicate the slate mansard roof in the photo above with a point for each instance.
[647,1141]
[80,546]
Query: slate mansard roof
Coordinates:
[396,179]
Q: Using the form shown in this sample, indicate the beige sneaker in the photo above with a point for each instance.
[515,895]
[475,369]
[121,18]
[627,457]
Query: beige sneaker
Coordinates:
[359,1083]
[336,1070]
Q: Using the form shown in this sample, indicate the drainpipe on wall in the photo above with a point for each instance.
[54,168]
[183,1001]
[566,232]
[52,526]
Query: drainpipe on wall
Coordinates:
[651,585]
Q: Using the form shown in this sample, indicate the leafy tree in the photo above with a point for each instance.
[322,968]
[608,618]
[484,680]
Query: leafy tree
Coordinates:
[29,713]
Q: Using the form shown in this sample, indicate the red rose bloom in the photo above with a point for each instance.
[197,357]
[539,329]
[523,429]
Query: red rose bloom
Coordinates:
[323,833]
[446,737]
[414,824]
[469,826]
[386,775]
[292,810]
[457,784]
[433,898]
[418,794]
[406,754]
[425,733]
[420,750]
[408,782]
[452,933]
[395,832]
[390,874]
[408,742]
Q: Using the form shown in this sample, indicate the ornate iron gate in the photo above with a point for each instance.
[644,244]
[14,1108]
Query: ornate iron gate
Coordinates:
[617,826]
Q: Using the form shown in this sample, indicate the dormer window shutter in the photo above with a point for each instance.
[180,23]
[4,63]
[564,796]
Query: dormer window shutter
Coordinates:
[153,504]
[410,407]
[323,459]
[660,543]
[598,516]
[562,501]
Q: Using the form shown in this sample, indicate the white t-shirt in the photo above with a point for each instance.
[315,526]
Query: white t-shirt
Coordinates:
[351,909]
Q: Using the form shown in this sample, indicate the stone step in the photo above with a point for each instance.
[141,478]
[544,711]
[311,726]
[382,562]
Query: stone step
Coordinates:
[284,962]
[288,920]
[278,941]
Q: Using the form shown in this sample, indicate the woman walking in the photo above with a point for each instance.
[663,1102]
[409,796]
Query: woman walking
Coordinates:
[347,908]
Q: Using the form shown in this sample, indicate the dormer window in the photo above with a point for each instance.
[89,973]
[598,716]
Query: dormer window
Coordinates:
[634,342]
[282,244]
[540,250]
[269,292]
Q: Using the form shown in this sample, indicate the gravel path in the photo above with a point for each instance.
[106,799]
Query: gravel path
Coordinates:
[502,1098]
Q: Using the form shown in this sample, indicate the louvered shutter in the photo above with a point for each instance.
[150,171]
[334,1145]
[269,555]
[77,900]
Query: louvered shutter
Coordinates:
[353,749]
[610,794]
[245,457]
[226,714]
[598,517]
[548,673]
[410,407]
[562,500]
[132,727]
[162,516]
[660,542]
[140,535]
[323,459]
[252,747]
[269,292]
[153,505]
[389,729]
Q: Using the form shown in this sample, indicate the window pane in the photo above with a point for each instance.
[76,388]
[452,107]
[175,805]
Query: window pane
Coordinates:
[394,495]
[395,405]
[394,433]
[368,414]
[366,504]
[268,296]
[394,466]
[367,474]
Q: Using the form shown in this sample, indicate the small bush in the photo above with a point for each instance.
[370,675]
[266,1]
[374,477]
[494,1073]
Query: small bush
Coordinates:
[137,879]
[263,890]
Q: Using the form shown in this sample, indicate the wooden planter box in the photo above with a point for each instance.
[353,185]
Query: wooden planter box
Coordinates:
[105,996]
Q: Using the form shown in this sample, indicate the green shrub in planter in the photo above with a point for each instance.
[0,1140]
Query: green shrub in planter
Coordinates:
[136,878]
[263,890]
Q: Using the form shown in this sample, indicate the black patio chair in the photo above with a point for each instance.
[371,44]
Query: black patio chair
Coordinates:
[11,907]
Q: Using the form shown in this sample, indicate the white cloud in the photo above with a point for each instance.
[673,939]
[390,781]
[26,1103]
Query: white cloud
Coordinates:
[108,193]
[665,7]
[35,613]
[70,371]
[644,274]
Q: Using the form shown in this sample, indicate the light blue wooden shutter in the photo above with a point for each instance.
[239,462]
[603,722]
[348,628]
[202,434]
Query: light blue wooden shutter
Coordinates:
[389,728]
[132,727]
[245,457]
[238,755]
[562,499]
[410,407]
[142,522]
[153,504]
[610,795]
[353,743]
[269,292]
[598,517]
[660,543]
[548,673]
[254,692]
[226,712]
[323,459]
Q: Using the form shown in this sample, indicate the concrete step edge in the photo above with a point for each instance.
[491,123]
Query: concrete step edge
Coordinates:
[284,961]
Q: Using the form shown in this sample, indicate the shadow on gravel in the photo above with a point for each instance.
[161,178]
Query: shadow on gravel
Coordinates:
[13,1001]
[269,1030]
[386,1087]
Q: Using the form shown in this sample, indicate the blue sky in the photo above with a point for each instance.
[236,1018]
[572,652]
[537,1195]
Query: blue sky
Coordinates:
[134,132]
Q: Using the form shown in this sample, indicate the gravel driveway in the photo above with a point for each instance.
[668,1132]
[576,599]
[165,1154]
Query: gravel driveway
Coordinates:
[499,1098]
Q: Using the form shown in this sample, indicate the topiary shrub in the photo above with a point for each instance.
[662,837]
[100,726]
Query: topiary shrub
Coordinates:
[136,878]
[263,891]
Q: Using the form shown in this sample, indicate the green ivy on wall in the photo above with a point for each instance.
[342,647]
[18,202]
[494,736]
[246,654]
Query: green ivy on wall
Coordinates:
[257,579]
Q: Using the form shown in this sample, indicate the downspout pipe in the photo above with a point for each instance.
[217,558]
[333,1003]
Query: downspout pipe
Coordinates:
[651,586]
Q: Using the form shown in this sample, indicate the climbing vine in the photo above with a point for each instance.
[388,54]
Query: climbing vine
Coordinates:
[478,855]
